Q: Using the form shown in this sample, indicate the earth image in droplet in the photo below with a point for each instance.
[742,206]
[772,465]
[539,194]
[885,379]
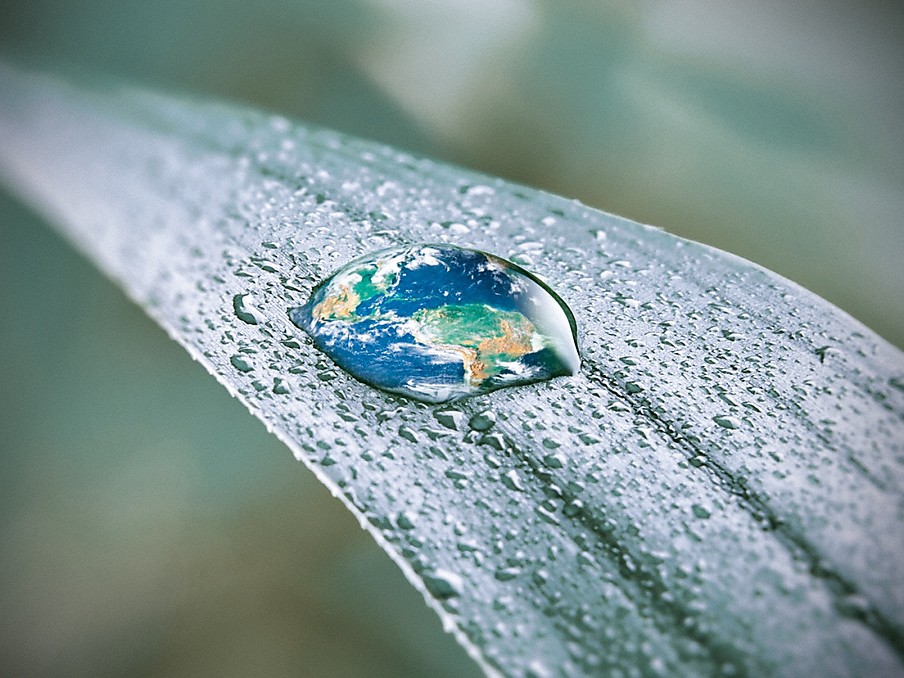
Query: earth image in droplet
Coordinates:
[440,322]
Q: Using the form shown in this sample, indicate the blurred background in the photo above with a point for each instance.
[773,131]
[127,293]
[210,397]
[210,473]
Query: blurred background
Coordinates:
[150,526]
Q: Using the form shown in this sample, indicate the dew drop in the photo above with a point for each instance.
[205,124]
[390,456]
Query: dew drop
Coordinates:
[244,311]
[507,573]
[727,421]
[512,481]
[482,421]
[451,419]
[405,521]
[443,583]
[440,322]
[700,511]
[553,461]
[240,363]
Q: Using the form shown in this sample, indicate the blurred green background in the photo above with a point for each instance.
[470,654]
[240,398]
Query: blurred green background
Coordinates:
[149,526]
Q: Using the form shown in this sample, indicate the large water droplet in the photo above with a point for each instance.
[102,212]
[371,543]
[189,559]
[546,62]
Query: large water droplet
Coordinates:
[439,322]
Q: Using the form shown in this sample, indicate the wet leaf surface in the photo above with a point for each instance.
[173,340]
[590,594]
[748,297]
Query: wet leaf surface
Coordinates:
[719,490]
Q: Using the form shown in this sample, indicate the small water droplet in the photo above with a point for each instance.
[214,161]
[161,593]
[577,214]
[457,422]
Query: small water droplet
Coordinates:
[478,190]
[538,669]
[573,508]
[507,573]
[698,461]
[239,363]
[826,351]
[494,440]
[483,421]
[241,304]
[553,461]
[451,419]
[458,474]
[512,481]
[439,322]
[408,434]
[405,521]
[727,421]
[700,511]
[443,584]
[632,387]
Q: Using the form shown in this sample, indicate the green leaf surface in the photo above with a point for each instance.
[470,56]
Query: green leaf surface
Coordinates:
[718,491]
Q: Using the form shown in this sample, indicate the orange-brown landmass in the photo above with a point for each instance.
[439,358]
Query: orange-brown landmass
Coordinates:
[340,305]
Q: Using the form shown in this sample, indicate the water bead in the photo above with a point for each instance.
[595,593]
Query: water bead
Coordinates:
[440,322]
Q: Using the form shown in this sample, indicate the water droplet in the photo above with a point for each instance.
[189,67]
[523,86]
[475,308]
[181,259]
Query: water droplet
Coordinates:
[588,438]
[538,669]
[478,190]
[512,481]
[553,461]
[482,421]
[451,419]
[494,440]
[632,387]
[405,521]
[239,363]
[826,351]
[700,511]
[443,584]
[408,434]
[241,304]
[507,573]
[727,421]
[439,322]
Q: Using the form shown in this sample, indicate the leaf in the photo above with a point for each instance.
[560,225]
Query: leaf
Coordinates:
[718,490]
